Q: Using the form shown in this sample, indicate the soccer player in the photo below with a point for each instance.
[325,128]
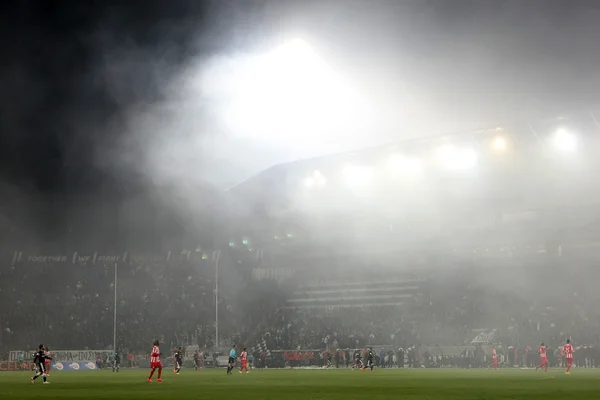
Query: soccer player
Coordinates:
[178,360]
[155,363]
[370,359]
[197,356]
[357,360]
[543,358]
[116,362]
[39,360]
[232,358]
[47,362]
[568,353]
[244,360]
[494,363]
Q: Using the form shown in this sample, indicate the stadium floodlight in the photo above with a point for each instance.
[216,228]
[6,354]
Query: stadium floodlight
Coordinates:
[357,176]
[316,180]
[404,166]
[319,178]
[289,96]
[309,183]
[565,141]
[499,144]
[457,159]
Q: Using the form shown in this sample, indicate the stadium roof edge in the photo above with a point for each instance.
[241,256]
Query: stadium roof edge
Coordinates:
[590,110]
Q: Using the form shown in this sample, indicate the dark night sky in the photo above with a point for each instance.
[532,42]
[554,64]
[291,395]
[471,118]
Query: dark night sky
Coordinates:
[503,59]
[51,103]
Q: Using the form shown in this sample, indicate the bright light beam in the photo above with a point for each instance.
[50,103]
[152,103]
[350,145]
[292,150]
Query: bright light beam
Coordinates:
[457,159]
[407,167]
[565,141]
[357,177]
[316,180]
[499,144]
[290,95]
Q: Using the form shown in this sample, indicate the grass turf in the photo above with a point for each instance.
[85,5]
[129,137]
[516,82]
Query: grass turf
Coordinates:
[333,384]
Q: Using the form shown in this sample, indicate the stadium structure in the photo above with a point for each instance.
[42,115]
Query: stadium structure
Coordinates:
[477,236]
[488,192]
[369,226]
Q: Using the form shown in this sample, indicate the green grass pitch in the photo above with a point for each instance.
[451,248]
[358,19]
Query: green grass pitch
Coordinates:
[330,384]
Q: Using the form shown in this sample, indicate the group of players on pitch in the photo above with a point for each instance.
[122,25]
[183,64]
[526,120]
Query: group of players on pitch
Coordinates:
[358,362]
[42,360]
[156,364]
[566,352]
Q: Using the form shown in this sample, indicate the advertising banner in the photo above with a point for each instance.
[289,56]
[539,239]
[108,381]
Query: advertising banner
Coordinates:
[73,366]
[64,356]
[15,366]
[76,258]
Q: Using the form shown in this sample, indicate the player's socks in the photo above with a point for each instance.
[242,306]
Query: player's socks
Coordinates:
[151,373]
[159,374]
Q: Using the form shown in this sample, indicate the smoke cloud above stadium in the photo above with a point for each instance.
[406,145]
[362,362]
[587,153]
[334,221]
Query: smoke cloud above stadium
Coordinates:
[123,125]
[256,85]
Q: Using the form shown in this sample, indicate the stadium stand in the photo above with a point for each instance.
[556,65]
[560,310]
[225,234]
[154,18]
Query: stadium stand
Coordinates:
[494,255]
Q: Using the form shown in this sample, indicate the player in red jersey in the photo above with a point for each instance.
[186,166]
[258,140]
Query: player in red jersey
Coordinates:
[494,363]
[155,362]
[47,361]
[244,360]
[543,358]
[567,352]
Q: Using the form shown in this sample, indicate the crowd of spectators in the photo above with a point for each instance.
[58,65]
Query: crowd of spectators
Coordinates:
[71,304]
[452,309]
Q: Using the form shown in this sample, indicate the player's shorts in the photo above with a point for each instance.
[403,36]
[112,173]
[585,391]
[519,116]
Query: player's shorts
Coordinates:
[544,360]
[178,362]
[569,361]
[157,364]
[244,363]
[41,368]
[231,360]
